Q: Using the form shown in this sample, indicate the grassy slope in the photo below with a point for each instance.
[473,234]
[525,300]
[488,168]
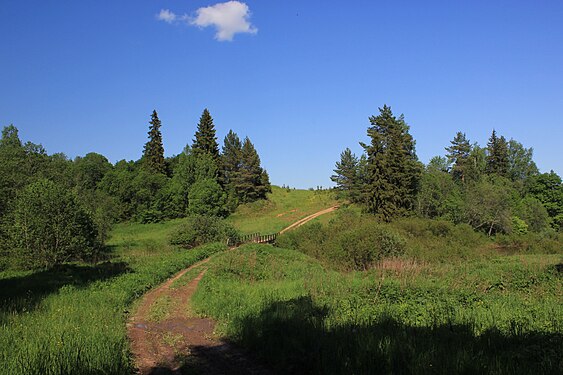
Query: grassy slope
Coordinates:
[282,208]
[500,315]
[71,320]
[288,308]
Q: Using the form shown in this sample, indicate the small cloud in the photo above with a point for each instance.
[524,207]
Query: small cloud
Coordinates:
[166,16]
[229,18]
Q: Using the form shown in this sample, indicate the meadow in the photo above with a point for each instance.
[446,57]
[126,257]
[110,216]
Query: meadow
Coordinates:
[500,314]
[413,296]
[71,319]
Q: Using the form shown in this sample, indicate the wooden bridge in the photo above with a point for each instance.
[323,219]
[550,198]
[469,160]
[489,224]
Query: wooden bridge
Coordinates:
[271,238]
[253,238]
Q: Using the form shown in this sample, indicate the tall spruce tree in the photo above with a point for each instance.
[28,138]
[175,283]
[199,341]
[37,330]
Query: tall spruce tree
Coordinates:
[231,159]
[254,182]
[205,139]
[153,153]
[458,156]
[393,170]
[497,155]
[346,175]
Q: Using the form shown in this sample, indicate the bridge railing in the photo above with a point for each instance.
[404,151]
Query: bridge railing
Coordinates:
[253,238]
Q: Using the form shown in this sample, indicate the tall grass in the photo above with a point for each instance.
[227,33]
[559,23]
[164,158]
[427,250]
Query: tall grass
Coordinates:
[498,315]
[72,320]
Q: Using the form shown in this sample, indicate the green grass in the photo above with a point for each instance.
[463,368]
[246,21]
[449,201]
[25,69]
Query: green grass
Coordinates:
[454,302]
[71,320]
[283,207]
[499,315]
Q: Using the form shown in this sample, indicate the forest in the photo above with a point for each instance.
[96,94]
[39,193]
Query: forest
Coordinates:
[53,209]
[496,189]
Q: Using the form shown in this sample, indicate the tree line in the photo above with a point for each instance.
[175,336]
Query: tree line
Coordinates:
[53,209]
[495,189]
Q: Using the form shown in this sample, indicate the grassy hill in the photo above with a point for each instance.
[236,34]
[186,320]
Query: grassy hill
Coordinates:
[283,207]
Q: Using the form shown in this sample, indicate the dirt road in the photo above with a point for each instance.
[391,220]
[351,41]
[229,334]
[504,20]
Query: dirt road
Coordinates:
[175,341]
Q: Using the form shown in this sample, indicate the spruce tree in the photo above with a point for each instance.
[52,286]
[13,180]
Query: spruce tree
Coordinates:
[231,159]
[393,171]
[346,175]
[153,153]
[254,182]
[205,139]
[458,156]
[497,155]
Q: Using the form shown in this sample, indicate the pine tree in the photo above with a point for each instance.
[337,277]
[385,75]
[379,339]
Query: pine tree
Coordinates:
[458,156]
[205,139]
[346,175]
[393,171]
[254,182]
[231,159]
[153,154]
[497,155]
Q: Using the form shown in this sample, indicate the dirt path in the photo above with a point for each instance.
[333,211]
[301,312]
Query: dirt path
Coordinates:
[166,339]
[297,224]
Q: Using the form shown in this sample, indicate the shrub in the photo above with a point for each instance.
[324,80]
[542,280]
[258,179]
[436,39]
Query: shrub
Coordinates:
[207,198]
[50,227]
[349,242]
[199,230]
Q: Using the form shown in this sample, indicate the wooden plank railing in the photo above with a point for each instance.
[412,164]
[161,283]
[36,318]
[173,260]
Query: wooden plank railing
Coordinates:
[252,238]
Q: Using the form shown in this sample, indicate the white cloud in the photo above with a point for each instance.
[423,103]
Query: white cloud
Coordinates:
[228,18]
[166,16]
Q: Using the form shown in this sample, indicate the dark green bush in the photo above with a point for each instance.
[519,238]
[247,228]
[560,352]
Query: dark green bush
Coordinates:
[50,227]
[199,230]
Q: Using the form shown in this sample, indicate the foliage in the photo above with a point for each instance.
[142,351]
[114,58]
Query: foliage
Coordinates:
[89,171]
[153,153]
[392,168]
[347,177]
[439,196]
[488,205]
[348,242]
[548,189]
[206,198]
[205,140]
[497,155]
[534,214]
[199,230]
[521,166]
[50,227]
[458,156]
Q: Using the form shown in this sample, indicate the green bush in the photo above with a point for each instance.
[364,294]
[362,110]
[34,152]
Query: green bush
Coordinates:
[199,230]
[50,227]
[206,197]
[349,242]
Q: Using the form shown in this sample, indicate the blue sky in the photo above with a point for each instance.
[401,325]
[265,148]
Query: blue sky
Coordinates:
[300,78]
